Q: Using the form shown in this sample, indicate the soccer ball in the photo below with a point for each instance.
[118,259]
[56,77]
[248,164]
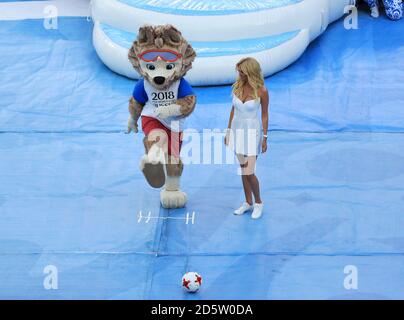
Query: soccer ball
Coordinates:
[191,281]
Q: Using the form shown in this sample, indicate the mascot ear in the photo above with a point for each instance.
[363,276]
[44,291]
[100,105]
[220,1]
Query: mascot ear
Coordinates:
[133,56]
[189,54]
[172,36]
[189,57]
[145,36]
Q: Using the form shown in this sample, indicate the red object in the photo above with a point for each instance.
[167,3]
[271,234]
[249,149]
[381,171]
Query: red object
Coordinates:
[165,54]
[174,138]
[185,283]
[199,280]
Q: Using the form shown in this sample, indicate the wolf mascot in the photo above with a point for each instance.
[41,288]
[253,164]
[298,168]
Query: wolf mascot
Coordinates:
[163,99]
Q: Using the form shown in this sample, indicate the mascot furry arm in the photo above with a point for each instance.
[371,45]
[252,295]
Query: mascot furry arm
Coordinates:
[163,98]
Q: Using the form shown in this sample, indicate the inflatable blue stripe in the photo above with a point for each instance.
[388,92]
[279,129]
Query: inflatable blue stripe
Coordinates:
[208,7]
[210,49]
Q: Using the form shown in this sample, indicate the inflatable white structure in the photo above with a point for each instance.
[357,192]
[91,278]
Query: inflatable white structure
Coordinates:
[275,32]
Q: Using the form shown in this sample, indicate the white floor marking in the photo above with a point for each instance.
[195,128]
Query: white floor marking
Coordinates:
[146,218]
[192,219]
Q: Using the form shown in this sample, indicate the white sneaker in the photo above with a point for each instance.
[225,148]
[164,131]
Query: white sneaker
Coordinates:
[257,212]
[243,209]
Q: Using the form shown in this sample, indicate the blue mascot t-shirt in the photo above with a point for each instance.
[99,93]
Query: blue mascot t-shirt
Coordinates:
[152,98]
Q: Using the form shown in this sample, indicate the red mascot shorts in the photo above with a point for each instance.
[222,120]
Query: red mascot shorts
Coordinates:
[174,138]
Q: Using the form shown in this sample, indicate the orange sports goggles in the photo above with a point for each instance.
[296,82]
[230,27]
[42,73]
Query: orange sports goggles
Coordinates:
[166,55]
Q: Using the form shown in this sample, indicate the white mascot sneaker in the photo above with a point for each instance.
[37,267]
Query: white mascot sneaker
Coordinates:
[243,209]
[172,197]
[257,212]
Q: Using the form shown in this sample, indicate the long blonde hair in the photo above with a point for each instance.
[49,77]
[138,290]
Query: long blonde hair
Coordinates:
[252,69]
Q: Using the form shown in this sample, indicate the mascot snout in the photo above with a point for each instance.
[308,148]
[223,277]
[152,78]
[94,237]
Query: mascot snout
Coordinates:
[159,80]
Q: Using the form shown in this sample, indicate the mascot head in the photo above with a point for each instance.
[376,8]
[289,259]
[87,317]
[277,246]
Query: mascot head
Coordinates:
[161,55]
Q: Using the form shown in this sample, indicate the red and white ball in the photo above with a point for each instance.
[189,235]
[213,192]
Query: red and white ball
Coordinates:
[191,281]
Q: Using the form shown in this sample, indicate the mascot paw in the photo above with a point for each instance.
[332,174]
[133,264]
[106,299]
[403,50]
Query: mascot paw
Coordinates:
[173,199]
[168,111]
[132,126]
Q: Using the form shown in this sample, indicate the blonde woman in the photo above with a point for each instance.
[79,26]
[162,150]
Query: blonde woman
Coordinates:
[248,128]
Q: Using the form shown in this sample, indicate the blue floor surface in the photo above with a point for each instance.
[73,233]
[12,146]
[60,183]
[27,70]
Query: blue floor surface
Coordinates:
[332,180]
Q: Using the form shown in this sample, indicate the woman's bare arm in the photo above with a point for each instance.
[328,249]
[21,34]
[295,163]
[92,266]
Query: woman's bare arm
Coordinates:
[226,138]
[264,109]
[231,117]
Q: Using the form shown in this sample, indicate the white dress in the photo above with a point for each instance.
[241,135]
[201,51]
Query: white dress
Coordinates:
[246,128]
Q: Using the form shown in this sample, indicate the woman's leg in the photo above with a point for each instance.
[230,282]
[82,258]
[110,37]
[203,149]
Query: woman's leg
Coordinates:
[250,181]
[246,184]
[247,190]
[253,181]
